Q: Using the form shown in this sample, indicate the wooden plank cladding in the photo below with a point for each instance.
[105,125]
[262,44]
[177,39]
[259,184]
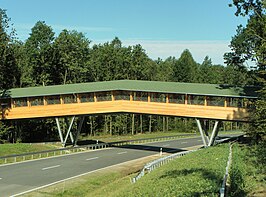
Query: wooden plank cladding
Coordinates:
[117,106]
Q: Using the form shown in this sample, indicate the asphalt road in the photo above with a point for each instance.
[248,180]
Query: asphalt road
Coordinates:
[21,177]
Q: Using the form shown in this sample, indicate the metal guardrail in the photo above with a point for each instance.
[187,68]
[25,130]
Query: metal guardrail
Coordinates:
[146,140]
[159,162]
[62,151]
[223,188]
[49,153]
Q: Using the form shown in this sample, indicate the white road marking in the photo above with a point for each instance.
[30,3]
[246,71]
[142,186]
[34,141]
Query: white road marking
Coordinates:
[70,178]
[47,168]
[183,142]
[0,178]
[92,158]
[165,145]
[122,153]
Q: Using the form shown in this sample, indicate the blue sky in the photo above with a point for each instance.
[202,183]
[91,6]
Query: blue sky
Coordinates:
[163,27]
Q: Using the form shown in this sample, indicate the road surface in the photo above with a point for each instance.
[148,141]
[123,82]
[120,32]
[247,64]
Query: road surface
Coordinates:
[21,177]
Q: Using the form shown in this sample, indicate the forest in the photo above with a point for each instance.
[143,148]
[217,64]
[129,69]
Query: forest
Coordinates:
[45,58]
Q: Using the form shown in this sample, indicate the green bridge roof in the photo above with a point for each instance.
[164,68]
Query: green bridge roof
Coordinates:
[134,85]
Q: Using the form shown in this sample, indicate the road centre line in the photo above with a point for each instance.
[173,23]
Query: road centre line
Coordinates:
[68,155]
[76,176]
[92,158]
[47,168]
[183,142]
[122,153]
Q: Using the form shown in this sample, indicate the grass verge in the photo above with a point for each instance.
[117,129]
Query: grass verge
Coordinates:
[113,138]
[248,171]
[19,148]
[197,174]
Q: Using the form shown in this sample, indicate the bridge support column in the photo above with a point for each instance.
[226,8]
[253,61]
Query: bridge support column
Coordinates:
[79,129]
[214,133]
[69,133]
[204,134]
[201,132]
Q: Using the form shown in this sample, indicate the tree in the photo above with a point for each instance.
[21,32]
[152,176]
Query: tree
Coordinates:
[249,43]
[72,50]
[164,70]
[185,69]
[40,54]
[112,61]
[8,68]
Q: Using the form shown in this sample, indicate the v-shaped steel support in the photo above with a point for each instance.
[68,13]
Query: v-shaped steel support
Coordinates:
[204,134]
[79,129]
[69,133]
[62,139]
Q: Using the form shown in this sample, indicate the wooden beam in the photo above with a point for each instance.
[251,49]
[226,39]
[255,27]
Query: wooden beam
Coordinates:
[78,98]
[168,109]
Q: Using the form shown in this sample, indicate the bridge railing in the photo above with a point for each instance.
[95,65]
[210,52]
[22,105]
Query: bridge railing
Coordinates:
[69,150]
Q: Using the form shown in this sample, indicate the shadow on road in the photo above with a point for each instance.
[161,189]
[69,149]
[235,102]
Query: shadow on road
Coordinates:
[150,148]
[88,142]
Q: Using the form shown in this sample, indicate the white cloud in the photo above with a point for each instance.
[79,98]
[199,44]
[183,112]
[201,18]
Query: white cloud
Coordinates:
[199,49]
[154,48]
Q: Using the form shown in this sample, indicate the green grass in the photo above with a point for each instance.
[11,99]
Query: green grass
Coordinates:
[112,138]
[108,138]
[197,174]
[19,148]
[247,175]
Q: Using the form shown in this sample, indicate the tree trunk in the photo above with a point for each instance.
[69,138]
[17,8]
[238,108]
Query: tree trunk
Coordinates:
[141,130]
[91,124]
[150,123]
[111,133]
[175,123]
[133,124]
[163,123]
[167,124]
[65,77]
[105,124]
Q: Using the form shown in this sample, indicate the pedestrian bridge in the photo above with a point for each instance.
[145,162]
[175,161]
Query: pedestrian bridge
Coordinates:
[200,101]
[206,101]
